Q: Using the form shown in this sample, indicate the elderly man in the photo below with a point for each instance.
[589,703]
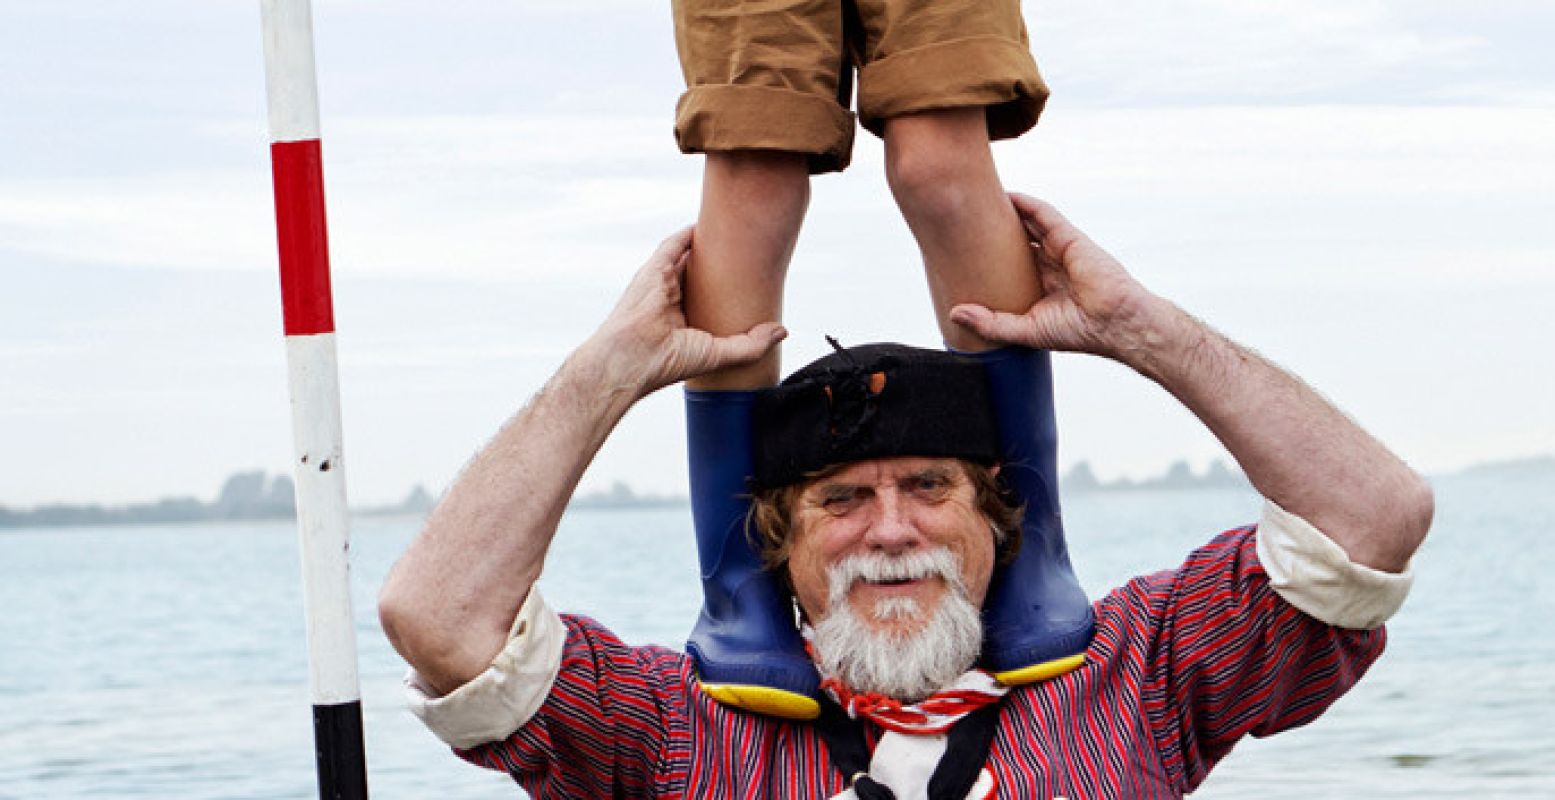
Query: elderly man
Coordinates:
[889,545]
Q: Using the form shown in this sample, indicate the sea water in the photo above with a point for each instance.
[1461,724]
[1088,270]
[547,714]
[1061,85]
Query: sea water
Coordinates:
[168,661]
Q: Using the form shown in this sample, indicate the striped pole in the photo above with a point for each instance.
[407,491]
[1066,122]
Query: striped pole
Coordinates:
[323,525]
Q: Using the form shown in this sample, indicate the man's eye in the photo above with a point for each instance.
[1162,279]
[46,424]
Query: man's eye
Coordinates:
[841,501]
[931,486]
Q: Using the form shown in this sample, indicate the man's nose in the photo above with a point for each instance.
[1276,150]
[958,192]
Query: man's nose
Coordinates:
[893,528]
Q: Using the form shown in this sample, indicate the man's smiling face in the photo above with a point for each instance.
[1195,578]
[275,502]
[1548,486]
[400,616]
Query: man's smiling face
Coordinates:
[887,531]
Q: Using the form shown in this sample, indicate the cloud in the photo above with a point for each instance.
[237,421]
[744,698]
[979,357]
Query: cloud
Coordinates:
[526,199]
[1410,192]
[209,219]
[1500,93]
[1217,51]
[14,350]
[504,198]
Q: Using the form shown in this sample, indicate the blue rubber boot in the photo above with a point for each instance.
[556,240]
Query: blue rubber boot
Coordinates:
[746,645]
[1037,620]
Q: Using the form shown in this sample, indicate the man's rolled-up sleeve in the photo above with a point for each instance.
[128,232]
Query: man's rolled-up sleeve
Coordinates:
[507,695]
[566,708]
[1314,574]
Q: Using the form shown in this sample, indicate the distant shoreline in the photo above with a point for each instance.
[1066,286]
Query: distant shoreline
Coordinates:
[253,495]
[244,496]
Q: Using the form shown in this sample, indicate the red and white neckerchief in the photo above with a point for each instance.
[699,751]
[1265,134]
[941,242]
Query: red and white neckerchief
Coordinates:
[916,733]
[939,712]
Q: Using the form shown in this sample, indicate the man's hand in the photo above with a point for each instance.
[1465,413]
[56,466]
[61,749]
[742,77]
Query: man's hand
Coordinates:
[645,343]
[1089,303]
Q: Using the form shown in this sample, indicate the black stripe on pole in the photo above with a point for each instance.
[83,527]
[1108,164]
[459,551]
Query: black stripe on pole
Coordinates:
[337,742]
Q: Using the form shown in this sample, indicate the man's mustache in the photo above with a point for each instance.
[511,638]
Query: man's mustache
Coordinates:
[882,568]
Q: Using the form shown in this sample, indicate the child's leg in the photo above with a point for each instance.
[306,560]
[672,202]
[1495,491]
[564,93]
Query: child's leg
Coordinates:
[748,653]
[753,202]
[941,171]
[761,101]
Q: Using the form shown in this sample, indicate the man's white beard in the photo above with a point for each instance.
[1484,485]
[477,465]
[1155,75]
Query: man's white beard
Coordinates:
[906,667]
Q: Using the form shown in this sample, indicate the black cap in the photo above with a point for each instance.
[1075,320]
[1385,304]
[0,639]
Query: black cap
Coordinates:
[872,401]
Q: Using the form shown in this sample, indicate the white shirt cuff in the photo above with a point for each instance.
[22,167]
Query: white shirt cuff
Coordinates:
[507,695]
[1314,574]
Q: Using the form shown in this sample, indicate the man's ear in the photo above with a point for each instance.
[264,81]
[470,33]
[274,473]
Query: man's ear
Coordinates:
[994,470]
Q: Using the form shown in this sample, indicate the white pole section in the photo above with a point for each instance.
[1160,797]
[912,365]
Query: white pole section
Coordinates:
[308,312]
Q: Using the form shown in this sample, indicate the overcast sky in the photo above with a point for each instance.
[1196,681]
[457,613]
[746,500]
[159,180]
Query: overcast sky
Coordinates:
[1363,191]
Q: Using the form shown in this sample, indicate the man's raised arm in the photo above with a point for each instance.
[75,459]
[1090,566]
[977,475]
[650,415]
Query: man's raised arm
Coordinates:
[1298,450]
[448,604]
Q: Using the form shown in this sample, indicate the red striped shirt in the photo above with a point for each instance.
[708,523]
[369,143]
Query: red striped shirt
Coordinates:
[1184,663]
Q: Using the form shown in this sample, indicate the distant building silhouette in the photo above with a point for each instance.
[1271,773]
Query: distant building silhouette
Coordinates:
[1178,476]
[244,495]
[254,495]
[621,496]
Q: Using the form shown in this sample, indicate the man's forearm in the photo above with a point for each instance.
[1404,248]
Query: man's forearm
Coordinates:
[1297,449]
[449,602]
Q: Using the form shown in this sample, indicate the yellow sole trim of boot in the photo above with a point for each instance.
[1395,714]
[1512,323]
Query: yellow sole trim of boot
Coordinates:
[1047,670]
[764,700]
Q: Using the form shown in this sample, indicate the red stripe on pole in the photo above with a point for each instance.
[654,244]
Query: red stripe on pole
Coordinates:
[300,230]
